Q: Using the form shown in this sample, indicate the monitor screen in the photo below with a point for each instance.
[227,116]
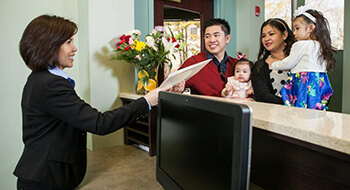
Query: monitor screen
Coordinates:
[202,143]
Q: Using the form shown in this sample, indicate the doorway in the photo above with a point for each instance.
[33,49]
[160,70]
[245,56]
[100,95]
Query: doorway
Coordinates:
[185,22]
[186,16]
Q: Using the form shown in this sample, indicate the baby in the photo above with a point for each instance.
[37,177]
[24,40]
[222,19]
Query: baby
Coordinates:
[239,86]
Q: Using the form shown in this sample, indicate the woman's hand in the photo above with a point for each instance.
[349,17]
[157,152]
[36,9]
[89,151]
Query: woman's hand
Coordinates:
[152,96]
[250,91]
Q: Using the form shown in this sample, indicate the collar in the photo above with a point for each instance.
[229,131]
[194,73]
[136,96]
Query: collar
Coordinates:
[58,72]
[216,61]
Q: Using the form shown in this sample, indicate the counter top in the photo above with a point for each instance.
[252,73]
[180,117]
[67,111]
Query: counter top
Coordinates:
[324,128]
[129,95]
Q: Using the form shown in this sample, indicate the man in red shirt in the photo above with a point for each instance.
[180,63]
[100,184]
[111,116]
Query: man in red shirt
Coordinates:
[212,78]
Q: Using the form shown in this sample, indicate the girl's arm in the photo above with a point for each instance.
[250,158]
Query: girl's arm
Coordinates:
[296,53]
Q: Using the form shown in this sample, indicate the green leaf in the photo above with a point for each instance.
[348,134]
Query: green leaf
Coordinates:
[178,36]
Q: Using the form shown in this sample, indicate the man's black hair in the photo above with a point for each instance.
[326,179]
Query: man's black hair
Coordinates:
[217,21]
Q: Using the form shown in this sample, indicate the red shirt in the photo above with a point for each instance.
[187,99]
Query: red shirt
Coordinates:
[208,80]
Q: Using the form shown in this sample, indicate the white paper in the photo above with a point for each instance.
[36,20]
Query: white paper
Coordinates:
[183,74]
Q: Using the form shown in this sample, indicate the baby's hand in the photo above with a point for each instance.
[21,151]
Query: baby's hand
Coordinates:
[227,90]
[269,60]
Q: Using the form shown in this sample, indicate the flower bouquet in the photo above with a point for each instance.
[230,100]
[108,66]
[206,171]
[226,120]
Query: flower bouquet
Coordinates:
[148,56]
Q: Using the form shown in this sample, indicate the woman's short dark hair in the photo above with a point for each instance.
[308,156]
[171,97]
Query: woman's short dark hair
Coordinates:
[217,21]
[42,39]
[282,26]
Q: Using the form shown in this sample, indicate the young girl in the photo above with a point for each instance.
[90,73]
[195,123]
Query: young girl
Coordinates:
[239,85]
[309,60]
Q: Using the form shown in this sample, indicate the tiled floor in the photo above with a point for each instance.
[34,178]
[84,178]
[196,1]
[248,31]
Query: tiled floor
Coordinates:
[122,168]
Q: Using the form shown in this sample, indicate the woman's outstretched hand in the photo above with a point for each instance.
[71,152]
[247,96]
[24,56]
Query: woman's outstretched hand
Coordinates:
[152,96]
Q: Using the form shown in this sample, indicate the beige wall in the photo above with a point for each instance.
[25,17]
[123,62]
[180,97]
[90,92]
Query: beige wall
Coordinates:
[106,20]
[248,27]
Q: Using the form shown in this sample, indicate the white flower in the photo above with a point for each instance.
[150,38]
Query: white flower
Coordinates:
[134,33]
[168,46]
[151,43]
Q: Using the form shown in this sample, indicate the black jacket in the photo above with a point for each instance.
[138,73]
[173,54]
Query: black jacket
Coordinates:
[261,82]
[55,121]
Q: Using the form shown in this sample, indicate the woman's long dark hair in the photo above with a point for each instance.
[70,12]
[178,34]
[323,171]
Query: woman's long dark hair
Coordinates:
[322,34]
[282,26]
[42,39]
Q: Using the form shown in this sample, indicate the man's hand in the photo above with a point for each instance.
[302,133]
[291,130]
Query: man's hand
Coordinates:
[178,87]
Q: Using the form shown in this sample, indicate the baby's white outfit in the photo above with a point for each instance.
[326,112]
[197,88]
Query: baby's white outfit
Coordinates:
[239,88]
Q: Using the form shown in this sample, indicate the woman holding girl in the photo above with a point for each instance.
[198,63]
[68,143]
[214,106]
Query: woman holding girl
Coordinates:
[276,40]
[309,60]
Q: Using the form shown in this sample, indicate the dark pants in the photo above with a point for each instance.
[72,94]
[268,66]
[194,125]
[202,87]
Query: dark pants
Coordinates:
[23,184]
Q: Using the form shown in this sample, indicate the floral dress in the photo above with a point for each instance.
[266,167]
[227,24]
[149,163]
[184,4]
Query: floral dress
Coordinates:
[307,90]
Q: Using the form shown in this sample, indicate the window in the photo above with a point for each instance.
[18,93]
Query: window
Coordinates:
[279,9]
[333,10]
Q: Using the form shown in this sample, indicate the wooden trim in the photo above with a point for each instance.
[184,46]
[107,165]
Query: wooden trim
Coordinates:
[280,162]
[178,1]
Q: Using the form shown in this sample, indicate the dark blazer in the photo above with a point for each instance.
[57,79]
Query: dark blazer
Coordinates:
[55,121]
[261,82]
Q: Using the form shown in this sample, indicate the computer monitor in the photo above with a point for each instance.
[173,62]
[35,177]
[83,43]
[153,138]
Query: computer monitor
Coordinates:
[202,143]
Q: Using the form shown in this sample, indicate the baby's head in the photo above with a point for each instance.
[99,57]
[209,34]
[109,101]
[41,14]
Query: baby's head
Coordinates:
[242,70]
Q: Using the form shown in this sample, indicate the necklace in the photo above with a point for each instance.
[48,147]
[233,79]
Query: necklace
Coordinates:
[273,57]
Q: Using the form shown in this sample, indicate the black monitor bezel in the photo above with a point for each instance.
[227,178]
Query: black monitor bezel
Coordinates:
[242,135]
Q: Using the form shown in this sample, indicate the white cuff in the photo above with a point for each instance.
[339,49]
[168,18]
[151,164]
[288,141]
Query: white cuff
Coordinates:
[149,105]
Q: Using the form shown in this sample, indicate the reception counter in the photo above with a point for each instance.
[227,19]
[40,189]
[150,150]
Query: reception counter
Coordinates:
[324,128]
[295,148]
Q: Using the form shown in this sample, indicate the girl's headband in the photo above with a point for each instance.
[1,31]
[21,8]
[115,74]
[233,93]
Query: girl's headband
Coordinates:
[302,11]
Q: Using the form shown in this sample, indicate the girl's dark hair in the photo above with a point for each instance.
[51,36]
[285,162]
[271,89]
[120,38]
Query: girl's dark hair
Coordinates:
[282,26]
[240,61]
[217,21]
[42,39]
[322,34]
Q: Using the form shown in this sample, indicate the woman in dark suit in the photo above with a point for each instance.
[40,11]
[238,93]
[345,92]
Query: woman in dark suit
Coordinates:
[55,119]
[276,40]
